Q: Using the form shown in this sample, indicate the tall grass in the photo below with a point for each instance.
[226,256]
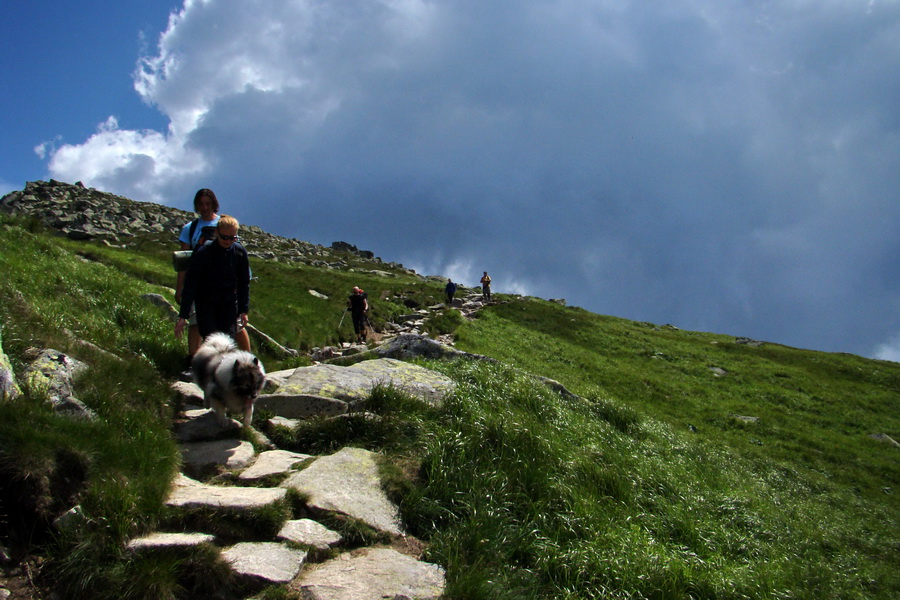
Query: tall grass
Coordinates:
[812,411]
[525,494]
[117,467]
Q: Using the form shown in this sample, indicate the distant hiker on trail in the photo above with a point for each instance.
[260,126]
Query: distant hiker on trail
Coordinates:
[358,305]
[450,290]
[193,235]
[486,286]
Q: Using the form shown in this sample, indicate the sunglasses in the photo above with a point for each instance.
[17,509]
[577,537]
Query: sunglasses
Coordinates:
[228,238]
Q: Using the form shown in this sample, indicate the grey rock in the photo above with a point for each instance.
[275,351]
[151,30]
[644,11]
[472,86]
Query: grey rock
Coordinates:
[281,422]
[746,419]
[188,493]
[8,387]
[202,457]
[309,533]
[71,520]
[273,462]
[347,483]
[156,541]
[883,437]
[353,384]
[265,562]
[188,392]
[52,373]
[373,574]
[204,424]
[165,305]
[300,406]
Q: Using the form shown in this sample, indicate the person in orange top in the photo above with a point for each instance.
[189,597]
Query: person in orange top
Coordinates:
[486,286]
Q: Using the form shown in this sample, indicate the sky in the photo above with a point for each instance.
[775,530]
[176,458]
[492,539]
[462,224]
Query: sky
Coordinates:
[730,166]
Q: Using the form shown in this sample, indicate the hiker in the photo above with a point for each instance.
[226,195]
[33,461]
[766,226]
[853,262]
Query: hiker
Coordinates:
[486,286]
[358,305]
[450,290]
[193,235]
[217,284]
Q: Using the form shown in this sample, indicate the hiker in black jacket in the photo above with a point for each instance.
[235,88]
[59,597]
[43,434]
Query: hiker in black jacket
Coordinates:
[450,290]
[217,282]
[358,305]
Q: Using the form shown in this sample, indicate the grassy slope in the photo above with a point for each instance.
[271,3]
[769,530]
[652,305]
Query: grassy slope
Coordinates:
[522,493]
[815,410]
[826,491]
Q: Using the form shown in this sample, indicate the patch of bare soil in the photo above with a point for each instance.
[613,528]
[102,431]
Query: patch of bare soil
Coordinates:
[18,582]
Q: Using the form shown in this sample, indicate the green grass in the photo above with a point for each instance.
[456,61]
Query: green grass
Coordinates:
[523,493]
[648,486]
[815,410]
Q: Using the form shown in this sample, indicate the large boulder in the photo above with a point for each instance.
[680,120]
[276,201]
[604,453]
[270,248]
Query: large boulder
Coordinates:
[354,384]
[347,483]
[52,372]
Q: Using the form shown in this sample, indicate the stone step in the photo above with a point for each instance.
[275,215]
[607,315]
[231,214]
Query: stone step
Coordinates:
[168,541]
[188,493]
[372,574]
[264,563]
[347,483]
[273,462]
[204,458]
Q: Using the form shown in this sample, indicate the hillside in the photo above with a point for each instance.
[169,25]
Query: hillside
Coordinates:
[663,464]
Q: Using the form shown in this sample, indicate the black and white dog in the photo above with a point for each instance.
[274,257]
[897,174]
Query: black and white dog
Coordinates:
[230,378]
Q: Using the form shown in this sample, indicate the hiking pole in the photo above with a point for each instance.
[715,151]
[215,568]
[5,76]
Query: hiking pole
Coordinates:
[344,314]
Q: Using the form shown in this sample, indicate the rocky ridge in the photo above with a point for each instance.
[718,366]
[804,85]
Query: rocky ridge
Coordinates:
[87,213]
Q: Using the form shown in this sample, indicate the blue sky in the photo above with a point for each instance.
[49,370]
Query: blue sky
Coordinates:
[719,165]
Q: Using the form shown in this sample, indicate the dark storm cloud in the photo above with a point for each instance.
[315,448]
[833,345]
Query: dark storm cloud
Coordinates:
[725,166]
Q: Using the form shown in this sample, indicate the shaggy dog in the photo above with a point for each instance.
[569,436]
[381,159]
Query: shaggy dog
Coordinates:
[230,378]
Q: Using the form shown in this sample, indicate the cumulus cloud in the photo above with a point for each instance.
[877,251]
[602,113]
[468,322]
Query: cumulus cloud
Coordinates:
[889,350]
[725,166]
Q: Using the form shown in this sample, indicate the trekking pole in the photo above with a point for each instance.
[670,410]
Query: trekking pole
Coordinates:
[344,314]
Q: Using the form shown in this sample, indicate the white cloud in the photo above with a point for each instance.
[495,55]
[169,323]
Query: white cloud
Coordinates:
[127,162]
[889,350]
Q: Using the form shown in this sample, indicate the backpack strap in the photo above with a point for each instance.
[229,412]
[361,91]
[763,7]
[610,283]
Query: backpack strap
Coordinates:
[191,231]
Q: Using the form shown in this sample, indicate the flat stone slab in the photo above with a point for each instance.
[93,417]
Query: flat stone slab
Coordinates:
[347,482]
[373,574]
[200,457]
[273,462]
[156,541]
[188,493]
[281,422]
[189,392]
[203,425]
[309,533]
[301,406]
[354,383]
[276,379]
[265,562]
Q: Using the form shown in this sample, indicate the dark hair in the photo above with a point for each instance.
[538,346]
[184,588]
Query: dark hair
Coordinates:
[209,194]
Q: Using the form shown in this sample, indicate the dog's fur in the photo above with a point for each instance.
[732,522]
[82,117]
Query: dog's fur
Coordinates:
[230,378]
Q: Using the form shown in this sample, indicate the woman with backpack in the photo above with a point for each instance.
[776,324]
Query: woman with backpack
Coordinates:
[193,235]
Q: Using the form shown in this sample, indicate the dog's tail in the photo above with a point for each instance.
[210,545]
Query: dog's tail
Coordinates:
[221,342]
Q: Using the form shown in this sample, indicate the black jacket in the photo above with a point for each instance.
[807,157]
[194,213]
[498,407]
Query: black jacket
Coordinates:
[217,275]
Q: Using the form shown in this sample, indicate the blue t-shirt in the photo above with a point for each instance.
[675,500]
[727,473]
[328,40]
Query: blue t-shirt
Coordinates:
[198,231]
